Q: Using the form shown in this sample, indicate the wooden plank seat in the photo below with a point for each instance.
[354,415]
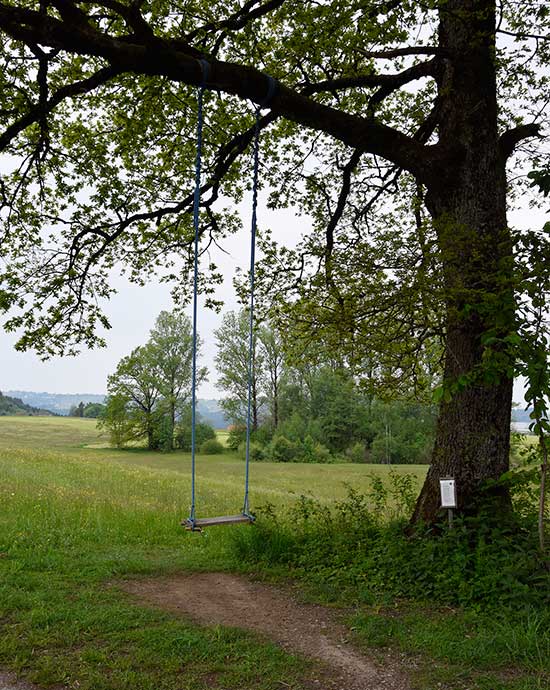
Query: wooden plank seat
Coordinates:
[198,524]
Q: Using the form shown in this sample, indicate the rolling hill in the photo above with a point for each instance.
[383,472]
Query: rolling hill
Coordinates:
[15,406]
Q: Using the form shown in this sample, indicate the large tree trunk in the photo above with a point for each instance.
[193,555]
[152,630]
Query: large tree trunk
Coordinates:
[469,210]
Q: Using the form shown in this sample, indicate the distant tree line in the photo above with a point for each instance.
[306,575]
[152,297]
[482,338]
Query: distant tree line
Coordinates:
[309,407]
[306,408]
[89,410]
[16,407]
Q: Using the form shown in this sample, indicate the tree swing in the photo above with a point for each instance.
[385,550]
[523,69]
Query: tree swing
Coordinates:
[192,523]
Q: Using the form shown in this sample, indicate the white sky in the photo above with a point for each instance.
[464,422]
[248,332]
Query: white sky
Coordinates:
[132,312]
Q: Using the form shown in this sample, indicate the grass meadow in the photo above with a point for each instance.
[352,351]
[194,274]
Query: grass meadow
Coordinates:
[76,517]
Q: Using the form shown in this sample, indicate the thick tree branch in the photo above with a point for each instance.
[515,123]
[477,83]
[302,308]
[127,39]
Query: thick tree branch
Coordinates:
[387,82]
[510,139]
[177,61]
[131,15]
[400,52]
[396,81]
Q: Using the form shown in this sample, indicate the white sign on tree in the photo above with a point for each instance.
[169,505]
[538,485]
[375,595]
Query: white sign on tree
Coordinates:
[447,488]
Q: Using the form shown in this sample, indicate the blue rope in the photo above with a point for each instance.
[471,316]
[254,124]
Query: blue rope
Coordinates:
[246,506]
[256,164]
[205,68]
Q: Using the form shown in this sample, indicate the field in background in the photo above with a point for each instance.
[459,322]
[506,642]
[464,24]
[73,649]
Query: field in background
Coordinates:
[75,519]
[59,443]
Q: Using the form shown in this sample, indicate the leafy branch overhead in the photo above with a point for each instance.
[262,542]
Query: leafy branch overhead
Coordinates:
[96,98]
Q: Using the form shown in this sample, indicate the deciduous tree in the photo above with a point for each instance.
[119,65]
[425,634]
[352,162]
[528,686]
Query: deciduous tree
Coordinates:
[171,345]
[232,363]
[135,381]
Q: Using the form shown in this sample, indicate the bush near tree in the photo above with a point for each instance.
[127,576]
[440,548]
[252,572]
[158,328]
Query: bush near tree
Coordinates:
[203,432]
[211,447]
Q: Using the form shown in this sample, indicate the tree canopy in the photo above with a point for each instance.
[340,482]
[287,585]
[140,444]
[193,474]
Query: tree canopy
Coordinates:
[393,125]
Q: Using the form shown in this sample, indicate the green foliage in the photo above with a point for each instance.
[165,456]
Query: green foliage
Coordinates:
[119,420]
[402,433]
[484,563]
[211,447]
[171,350]
[156,380]
[312,451]
[541,179]
[281,449]
[93,410]
[162,436]
[203,433]
[77,410]
[256,451]
[236,435]
[357,452]
[232,341]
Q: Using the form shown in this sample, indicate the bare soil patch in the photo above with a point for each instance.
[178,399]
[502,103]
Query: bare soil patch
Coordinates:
[8,681]
[310,630]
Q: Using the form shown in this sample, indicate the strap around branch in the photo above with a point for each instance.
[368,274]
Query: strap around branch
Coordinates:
[205,70]
[271,90]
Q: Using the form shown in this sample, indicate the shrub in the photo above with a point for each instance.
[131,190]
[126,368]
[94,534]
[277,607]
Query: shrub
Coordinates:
[211,447]
[237,434]
[484,563]
[357,452]
[203,432]
[257,453]
[313,452]
[322,453]
[306,450]
[282,450]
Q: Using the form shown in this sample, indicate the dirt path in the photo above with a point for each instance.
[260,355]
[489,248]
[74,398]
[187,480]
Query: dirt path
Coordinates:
[310,630]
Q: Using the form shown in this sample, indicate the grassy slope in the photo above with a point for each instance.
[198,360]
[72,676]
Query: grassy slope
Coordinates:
[74,518]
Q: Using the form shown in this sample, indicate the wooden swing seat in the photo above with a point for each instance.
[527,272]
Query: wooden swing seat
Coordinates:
[199,523]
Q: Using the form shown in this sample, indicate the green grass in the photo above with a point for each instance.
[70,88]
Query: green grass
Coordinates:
[72,522]
[74,519]
[48,432]
[459,650]
[220,479]
[223,436]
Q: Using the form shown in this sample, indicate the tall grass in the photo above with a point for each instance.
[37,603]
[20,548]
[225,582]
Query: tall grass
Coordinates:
[74,520]
[477,595]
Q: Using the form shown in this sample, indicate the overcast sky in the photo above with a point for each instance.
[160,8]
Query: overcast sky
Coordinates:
[132,312]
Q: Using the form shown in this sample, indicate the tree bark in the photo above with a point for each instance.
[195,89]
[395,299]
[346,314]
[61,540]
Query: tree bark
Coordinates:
[469,210]
[254,404]
[150,431]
